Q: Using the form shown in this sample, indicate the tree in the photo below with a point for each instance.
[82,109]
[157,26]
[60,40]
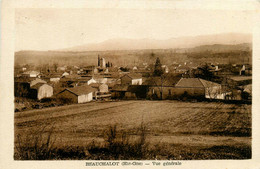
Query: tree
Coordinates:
[124,69]
[55,65]
[205,72]
[158,71]
[98,60]
[152,56]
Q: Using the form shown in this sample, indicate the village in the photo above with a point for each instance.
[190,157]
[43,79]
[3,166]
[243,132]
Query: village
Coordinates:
[185,81]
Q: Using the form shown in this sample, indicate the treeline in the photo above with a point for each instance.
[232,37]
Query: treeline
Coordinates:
[128,58]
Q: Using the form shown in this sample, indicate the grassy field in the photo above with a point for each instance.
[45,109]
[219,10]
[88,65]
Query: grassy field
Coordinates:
[173,129]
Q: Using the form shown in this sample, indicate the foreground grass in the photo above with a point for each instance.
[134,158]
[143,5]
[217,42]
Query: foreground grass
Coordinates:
[174,130]
[121,146]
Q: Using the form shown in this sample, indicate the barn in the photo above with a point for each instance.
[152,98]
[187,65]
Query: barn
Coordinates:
[40,91]
[79,94]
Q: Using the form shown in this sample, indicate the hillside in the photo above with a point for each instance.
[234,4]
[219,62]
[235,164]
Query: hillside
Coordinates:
[220,48]
[216,52]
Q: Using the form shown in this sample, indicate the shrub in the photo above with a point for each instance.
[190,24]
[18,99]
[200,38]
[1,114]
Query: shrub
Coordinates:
[118,145]
[37,145]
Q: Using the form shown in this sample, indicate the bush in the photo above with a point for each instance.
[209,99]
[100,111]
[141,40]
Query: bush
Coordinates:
[118,146]
[37,145]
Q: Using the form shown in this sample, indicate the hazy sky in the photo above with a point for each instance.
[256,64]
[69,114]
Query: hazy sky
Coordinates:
[49,29]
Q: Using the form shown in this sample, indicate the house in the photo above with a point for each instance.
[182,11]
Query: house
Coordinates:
[65,74]
[40,91]
[245,70]
[131,79]
[165,69]
[246,92]
[102,90]
[35,81]
[101,87]
[91,70]
[198,88]
[69,80]
[86,80]
[239,80]
[55,77]
[79,94]
[52,77]
[62,68]
[31,74]
[100,79]
[182,69]
[135,68]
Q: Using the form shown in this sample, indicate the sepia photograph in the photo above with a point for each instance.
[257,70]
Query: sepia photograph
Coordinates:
[132,84]
[139,84]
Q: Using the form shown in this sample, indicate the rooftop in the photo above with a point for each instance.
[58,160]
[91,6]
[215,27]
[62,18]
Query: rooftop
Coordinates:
[195,82]
[133,75]
[81,90]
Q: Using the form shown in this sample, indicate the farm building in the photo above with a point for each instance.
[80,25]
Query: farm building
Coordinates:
[79,94]
[131,79]
[40,91]
[197,87]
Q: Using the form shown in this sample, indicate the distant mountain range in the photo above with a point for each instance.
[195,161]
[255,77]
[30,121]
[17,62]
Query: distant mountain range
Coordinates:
[222,48]
[183,42]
